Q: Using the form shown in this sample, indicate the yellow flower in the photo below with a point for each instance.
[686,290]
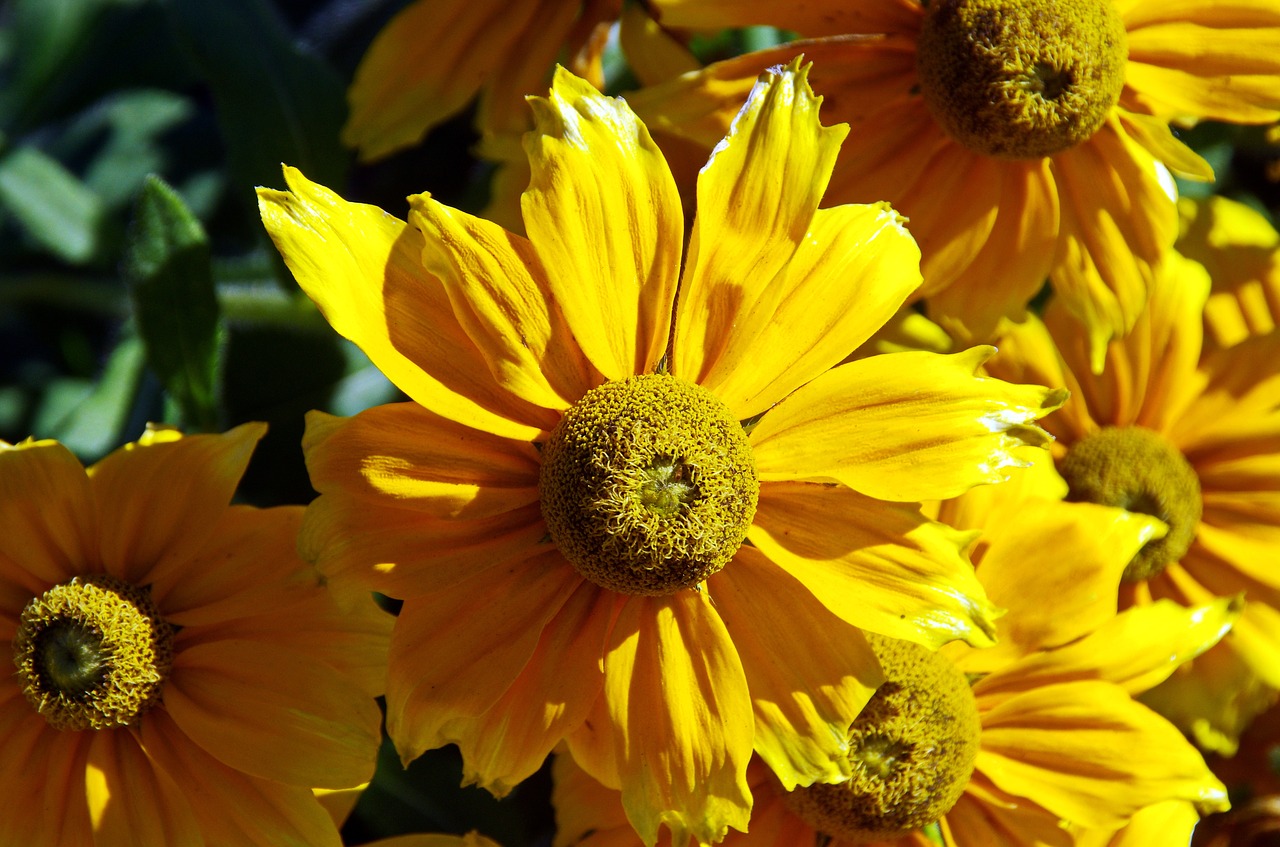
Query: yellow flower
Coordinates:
[1241,250]
[1162,432]
[435,56]
[180,675]
[1016,151]
[586,538]
[1047,734]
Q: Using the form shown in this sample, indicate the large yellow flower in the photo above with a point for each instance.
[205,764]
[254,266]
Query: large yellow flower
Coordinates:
[590,545]
[180,675]
[1021,138]
[1192,441]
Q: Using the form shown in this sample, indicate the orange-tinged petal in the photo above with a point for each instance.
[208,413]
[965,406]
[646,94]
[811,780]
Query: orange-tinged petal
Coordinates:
[903,426]
[1087,752]
[810,673]
[500,616]
[501,298]
[653,54]
[756,200]
[404,553]
[855,268]
[553,694]
[681,712]
[411,458]
[1072,552]
[234,807]
[986,817]
[45,788]
[425,65]
[1029,354]
[879,566]
[588,813]
[604,217]
[363,268]
[130,800]
[810,17]
[275,712]
[1118,217]
[593,748]
[1134,650]
[47,519]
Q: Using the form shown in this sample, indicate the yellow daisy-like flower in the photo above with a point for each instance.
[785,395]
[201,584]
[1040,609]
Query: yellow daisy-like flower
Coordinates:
[586,537]
[180,675]
[1047,733]
[1193,442]
[1021,138]
[436,56]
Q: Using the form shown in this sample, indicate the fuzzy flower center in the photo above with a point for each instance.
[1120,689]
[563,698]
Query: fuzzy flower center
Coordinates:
[648,485]
[912,750]
[92,653]
[1136,469]
[1021,79]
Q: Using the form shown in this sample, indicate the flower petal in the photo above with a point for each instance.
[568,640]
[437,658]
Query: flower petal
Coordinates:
[1090,754]
[501,298]
[1134,650]
[1170,822]
[879,566]
[805,17]
[588,813]
[681,716]
[43,777]
[363,268]
[810,673]
[234,807]
[552,695]
[603,214]
[405,456]
[48,526]
[275,712]
[986,816]
[130,800]
[455,652]
[903,426]
[756,200]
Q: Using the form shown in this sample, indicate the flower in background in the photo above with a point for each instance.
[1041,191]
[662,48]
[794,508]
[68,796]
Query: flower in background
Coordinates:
[1020,139]
[590,543]
[1192,441]
[181,676]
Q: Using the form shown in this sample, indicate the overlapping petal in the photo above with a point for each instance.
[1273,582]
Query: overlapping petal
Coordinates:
[47,520]
[903,426]
[117,775]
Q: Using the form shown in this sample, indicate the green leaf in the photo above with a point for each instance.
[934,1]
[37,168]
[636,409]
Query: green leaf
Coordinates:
[133,122]
[170,278]
[56,209]
[88,417]
[275,102]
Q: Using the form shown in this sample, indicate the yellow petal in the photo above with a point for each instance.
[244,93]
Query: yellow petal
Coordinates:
[1155,135]
[1087,752]
[809,18]
[604,217]
[500,297]
[903,426]
[653,54]
[274,711]
[1170,822]
[986,816]
[1029,354]
[234,807]
[681,713]
[404,456]
[130,800]
[45,784]
[553,694]
[363,268]
[48,527]
[587,811]
[756,200]
[878,566]
[810,673]
[1134,650]
[855,268]
[455,652]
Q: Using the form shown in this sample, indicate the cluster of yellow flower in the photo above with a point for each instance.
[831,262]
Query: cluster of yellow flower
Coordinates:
[789,525]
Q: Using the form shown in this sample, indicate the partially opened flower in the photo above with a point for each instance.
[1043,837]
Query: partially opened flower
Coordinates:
[180,675]
[1021,138]
[1192,441]
[590,543]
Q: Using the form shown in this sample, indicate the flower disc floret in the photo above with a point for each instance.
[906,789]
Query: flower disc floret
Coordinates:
[1021,79]
[911,751]
[92,653]
[1137,469]
[648,485]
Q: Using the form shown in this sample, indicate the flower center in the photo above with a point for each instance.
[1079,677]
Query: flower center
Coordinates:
[1021,79]
[912,750]
[648,485]
[1135,468]
[92,653]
